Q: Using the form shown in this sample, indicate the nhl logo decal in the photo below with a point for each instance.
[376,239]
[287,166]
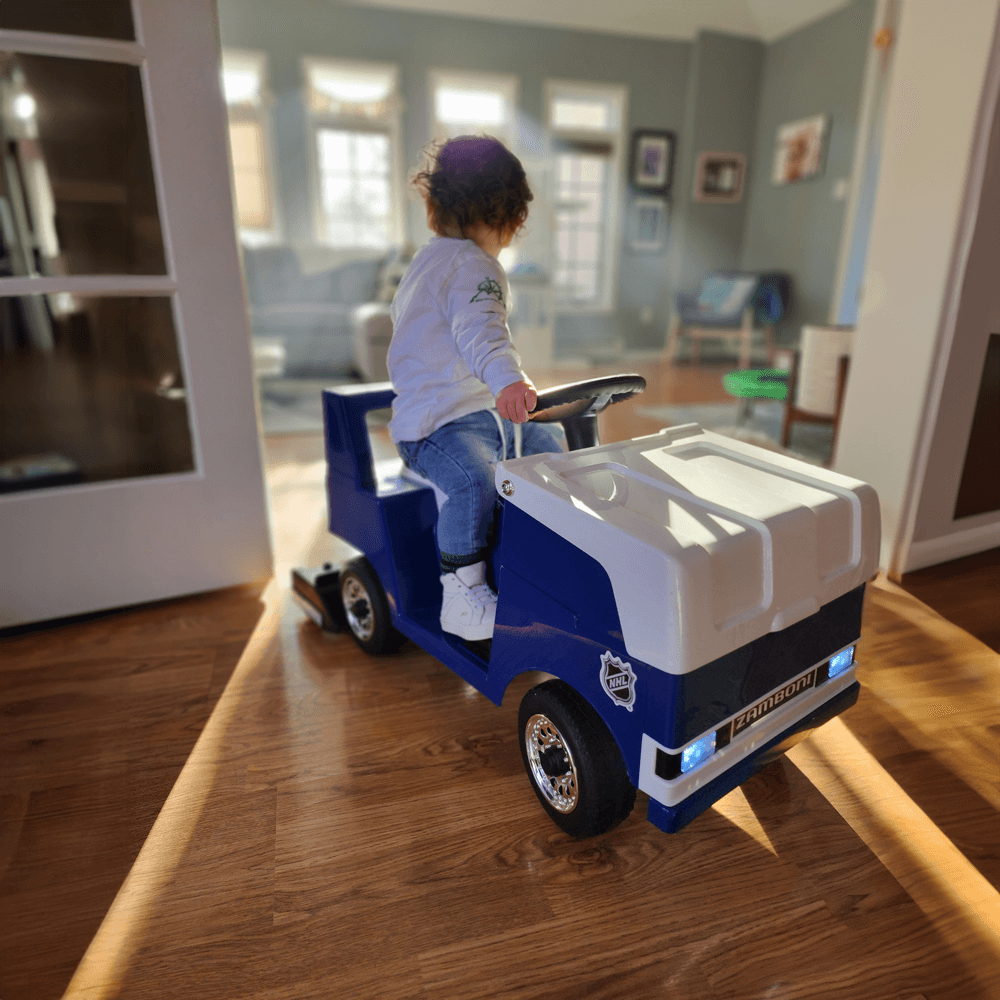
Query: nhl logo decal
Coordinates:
[618,680]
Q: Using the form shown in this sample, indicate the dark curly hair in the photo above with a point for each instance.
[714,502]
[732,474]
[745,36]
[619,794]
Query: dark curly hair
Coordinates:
[470,179]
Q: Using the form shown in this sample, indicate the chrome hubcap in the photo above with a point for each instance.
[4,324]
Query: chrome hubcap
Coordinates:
[358,608]
[551,763]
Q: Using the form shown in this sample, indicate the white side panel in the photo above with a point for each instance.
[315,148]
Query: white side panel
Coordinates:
[709,542]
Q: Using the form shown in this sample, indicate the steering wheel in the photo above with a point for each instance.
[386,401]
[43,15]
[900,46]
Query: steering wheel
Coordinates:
[577,404]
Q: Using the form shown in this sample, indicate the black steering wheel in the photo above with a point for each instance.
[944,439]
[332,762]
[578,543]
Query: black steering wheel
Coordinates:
[577,404]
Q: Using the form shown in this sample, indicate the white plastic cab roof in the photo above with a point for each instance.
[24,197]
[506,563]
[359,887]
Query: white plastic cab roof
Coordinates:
[709,542]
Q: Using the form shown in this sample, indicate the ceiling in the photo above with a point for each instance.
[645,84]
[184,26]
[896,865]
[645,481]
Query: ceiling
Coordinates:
[677,19]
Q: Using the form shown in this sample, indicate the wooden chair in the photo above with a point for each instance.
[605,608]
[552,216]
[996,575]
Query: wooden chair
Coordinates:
[729,306]
[817,380]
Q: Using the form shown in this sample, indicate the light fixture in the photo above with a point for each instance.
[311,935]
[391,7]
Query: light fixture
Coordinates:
[25,106]
[697,753]
[841,662]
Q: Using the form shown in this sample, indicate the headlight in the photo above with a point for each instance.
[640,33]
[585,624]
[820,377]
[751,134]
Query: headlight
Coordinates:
[697,753]
[841,662]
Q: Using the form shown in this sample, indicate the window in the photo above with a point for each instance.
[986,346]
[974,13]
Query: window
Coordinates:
[355,118]
[586,121]
[244,82]
[473,104]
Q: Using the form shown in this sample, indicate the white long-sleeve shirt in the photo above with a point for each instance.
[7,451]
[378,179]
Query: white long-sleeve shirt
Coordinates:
[450,353]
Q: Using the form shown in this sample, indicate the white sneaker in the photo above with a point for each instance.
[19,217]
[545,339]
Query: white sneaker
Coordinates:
[469,606]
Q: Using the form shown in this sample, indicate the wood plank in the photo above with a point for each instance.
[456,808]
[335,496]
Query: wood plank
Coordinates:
[354,827]
[99,717]
[361,825]
[974,604]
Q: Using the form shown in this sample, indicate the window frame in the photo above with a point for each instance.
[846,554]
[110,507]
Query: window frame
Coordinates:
[387,124]
[617,96]
[506,84]
[259,115]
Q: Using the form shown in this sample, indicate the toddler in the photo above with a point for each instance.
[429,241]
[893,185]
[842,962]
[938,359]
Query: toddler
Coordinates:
[458,380]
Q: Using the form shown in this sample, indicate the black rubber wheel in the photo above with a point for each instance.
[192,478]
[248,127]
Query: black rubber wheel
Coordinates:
[366,609]
[573,762]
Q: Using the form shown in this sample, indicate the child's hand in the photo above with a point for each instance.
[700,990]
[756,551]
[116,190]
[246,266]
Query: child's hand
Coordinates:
[516,401]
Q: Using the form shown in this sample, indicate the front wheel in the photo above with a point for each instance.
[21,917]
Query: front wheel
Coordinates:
[573,761]
[366,609]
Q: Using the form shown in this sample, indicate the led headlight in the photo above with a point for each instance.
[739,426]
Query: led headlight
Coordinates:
[841,662]
[697,753]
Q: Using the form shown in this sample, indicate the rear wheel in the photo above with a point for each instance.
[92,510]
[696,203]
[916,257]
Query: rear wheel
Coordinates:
[366,609]
[573,761]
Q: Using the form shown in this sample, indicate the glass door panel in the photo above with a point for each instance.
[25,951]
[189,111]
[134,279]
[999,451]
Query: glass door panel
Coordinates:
[96,18]
[107,400]
[77,194]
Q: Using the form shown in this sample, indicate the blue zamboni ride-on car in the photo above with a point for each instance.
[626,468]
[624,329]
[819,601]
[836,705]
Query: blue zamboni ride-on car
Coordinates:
[695,599]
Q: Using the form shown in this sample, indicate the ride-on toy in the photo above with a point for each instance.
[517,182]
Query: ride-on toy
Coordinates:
[696,599]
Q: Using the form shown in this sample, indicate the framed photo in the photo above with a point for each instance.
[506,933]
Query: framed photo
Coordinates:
[720,177]
[652,161]
[798,151]
[647,225]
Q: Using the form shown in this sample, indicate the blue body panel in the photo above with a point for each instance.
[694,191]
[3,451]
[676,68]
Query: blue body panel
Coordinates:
[556,613]
[394,528]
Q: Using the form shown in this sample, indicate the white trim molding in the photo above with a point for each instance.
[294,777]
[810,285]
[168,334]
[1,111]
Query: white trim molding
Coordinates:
[863,140]
[40,43]
[90,284]
[956,545]
[903,560]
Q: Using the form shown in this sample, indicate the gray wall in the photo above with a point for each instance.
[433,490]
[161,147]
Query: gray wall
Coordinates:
[655,72]
[719,93]
[797,228]
[721,116]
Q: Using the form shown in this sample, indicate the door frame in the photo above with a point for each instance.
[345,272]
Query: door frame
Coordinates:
[75,549]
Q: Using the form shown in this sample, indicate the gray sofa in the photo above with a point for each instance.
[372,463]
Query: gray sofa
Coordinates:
[309,314]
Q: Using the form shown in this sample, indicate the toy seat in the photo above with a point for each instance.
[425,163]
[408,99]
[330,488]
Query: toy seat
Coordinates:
[730,305]
[414,477]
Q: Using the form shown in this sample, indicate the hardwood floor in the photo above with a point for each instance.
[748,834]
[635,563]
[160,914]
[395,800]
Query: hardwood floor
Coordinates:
[98,719]
[351,827]
[966,591]
[355,827]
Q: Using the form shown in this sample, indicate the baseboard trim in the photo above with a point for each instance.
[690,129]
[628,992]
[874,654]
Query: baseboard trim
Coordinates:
[932,551]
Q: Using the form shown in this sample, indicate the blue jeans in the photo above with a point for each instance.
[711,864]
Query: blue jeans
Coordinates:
[460,458]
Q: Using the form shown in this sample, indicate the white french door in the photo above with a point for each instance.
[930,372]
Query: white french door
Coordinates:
[130,463]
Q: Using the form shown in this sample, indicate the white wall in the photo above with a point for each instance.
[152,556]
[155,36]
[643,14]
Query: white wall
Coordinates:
[936,529]
[916,259]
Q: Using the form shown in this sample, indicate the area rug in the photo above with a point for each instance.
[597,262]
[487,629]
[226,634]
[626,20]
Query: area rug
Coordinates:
[293,406]
[809,442]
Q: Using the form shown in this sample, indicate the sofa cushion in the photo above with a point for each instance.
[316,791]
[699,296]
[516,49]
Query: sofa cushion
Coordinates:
[273,274]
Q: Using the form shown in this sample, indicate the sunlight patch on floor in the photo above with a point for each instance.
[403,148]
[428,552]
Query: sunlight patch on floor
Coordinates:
[123,930]
[961,903]
[739,812]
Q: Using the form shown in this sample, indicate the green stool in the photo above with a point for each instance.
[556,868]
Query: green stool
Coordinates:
[749,384]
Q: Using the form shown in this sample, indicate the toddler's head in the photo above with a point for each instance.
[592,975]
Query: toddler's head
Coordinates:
[473,179]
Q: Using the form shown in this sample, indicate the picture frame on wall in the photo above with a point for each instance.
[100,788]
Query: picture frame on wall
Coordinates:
[651,168]
[719,177]
[647,225]
[799,150]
